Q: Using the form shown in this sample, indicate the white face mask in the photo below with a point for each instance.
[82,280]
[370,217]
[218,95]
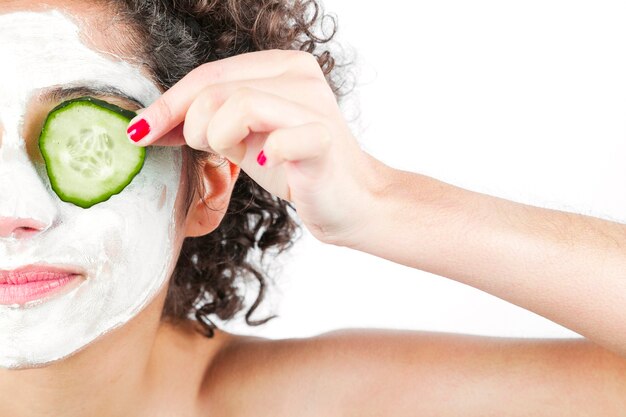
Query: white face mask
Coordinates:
[126,245]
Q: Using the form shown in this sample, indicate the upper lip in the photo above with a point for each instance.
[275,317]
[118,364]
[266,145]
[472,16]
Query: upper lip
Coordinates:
[32,273]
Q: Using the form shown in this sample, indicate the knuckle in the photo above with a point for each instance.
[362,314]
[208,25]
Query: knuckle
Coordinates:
[214,144]
[194,137]
[277,53]
[209,100]
[213,138]
[280,57]
[304,58]
[304,61]
[199,113]
[243,99]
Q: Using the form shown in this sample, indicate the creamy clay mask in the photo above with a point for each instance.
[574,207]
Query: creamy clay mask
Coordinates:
[125,245]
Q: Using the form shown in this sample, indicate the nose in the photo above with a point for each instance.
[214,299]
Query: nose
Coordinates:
[26,206]
[20,227]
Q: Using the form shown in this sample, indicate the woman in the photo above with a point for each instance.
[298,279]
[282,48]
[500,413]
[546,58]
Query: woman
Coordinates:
[117,340]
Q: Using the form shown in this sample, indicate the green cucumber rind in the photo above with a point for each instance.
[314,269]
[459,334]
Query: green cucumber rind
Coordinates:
[76,200]
[100,103]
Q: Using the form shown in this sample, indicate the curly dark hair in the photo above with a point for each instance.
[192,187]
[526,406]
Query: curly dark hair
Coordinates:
[178,36]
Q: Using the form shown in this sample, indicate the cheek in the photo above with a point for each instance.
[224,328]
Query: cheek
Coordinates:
[143,220]
[103,235]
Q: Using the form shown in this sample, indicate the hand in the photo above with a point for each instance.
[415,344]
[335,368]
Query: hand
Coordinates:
[273,114]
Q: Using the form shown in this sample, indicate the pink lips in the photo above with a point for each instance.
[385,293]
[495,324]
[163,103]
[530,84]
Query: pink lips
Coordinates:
[33,282]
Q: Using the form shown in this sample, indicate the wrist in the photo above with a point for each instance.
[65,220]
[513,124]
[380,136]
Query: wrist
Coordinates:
[379,188]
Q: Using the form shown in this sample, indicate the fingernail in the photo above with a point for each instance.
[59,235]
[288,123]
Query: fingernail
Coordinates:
[138,130]
[261,159]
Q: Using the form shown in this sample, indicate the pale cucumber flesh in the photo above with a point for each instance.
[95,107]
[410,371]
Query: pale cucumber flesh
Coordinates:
[87,153]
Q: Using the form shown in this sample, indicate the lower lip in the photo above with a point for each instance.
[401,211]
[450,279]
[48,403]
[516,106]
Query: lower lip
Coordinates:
[23,293]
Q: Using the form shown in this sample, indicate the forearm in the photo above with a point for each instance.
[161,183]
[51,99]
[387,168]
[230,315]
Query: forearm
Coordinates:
[567,267]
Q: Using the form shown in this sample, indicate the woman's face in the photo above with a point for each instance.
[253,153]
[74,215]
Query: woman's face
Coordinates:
[125,247]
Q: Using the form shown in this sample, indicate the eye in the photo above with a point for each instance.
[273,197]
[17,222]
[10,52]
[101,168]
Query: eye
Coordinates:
[87,154]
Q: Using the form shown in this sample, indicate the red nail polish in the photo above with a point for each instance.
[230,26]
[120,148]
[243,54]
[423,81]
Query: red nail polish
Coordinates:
[138,130]
[261,159]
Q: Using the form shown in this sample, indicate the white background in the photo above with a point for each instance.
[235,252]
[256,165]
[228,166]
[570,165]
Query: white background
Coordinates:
[523,100]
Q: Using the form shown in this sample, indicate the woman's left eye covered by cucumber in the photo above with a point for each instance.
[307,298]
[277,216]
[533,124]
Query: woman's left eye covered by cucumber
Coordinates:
[86,151]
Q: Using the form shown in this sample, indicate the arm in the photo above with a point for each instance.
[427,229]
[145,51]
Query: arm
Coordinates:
[273,114]
[567,267]
[385,373]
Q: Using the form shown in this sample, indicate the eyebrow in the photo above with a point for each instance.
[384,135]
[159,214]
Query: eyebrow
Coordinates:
[61,93]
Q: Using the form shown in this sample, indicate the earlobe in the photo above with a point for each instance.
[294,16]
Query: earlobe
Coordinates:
[207,211]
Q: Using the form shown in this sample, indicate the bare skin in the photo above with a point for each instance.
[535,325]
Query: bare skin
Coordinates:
[151,368]
[376,373]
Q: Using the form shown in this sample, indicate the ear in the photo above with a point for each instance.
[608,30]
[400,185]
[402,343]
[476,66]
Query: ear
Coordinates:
[207,211]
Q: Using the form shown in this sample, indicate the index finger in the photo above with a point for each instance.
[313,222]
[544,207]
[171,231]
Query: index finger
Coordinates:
[169,110]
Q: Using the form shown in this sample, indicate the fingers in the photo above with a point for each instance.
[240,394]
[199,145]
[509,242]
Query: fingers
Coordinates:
[248,111]
[306,144]
[170,109]
[206,104]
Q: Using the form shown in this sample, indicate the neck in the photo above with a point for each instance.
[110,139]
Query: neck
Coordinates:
[109,377]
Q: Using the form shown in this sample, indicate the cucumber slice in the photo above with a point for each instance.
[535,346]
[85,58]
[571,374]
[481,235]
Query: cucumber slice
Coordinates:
[87,154]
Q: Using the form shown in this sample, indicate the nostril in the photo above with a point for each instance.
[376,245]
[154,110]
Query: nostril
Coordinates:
[20,227]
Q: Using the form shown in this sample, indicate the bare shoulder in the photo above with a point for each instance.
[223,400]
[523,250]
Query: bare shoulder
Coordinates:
[372,373]
[180,356]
